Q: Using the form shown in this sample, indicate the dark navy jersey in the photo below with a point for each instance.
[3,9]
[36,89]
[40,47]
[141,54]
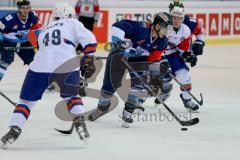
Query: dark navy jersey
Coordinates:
[190,22]
[142,42]
[15,30]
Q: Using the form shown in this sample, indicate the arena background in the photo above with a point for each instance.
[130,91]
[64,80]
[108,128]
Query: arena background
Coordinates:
[221,19]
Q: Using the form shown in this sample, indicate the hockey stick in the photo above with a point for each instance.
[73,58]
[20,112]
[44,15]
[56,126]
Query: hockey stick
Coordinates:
[183,123]
[66,131]
[100,58]
[200,102]
[84,85]
[13,48]
[8,99]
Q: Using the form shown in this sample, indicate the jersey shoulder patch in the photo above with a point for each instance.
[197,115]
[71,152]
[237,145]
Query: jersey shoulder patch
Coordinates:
[2,26]
[9,17]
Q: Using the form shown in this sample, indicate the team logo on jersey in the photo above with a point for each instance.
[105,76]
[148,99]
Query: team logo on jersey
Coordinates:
[24,26]
[9,17]
[15,27]
[139,51]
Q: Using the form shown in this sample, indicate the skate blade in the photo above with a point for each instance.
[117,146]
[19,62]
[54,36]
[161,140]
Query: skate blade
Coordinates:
[4,146]
[83,136]
[125,125]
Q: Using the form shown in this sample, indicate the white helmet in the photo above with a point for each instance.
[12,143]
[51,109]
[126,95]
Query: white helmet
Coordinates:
[63,10]
[178,12]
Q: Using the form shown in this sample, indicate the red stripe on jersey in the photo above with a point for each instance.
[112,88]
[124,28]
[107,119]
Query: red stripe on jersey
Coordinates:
[36,26]
[155,55]
[185,44]
[197,30]
[89,49]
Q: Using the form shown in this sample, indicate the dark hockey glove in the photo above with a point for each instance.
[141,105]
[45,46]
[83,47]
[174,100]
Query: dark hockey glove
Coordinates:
[190,58]
[87,66]
[197,47]
[118,47]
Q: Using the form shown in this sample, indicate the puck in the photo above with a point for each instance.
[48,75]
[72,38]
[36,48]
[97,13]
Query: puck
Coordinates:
[184,129]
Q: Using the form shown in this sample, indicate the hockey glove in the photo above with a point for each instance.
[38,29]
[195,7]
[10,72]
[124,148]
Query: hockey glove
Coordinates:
[118,45]
[197,47]
[190,58]
[87,66]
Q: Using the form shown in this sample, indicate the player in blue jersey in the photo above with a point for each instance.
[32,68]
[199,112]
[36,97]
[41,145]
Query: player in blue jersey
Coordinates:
[14,30]
[148,45]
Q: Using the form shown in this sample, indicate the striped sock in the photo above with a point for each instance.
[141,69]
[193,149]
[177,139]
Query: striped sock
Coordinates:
[75,105]
[187,87]
[20,115]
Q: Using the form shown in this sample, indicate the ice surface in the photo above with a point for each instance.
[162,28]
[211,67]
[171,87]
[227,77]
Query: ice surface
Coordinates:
[216,137]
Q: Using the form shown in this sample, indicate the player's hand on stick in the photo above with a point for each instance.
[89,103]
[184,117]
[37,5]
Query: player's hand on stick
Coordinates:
[87,66]
[190,58]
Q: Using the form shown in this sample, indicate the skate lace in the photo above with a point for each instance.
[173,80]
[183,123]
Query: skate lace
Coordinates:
[98,113]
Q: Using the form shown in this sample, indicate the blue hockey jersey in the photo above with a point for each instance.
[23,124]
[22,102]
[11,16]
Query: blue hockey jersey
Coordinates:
[143,45]
[193,25]
[15,30]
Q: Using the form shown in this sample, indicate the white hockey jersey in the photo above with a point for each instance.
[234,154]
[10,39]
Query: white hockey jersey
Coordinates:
[178,41]
[57,42]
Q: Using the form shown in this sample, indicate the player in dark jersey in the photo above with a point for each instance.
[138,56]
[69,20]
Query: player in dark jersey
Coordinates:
[14,29]
[148,45]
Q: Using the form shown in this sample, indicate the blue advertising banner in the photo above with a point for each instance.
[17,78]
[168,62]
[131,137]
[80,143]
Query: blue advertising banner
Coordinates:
[5,12]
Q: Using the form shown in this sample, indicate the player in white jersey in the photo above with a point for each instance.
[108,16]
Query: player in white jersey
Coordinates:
[57,43]
[179,37]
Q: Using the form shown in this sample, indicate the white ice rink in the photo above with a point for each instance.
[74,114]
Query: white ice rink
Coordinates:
[216,137]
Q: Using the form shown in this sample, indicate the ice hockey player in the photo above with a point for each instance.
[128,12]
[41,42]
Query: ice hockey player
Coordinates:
[57,43]
[148,45]
[196,48]
[179,37]
[14,30]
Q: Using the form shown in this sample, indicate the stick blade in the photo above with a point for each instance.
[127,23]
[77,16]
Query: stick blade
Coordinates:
[64,132]
[201,102]
[191,122]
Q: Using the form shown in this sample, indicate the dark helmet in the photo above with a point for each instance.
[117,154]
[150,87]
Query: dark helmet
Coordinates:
[22,3]
[174,3]
[162,18]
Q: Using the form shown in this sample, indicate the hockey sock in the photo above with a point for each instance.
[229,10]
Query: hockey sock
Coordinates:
[21,113]
[184,77]
[75,105]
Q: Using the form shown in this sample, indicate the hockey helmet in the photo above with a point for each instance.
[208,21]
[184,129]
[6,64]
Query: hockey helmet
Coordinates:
[63,10]
[178,12]
[162,19]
